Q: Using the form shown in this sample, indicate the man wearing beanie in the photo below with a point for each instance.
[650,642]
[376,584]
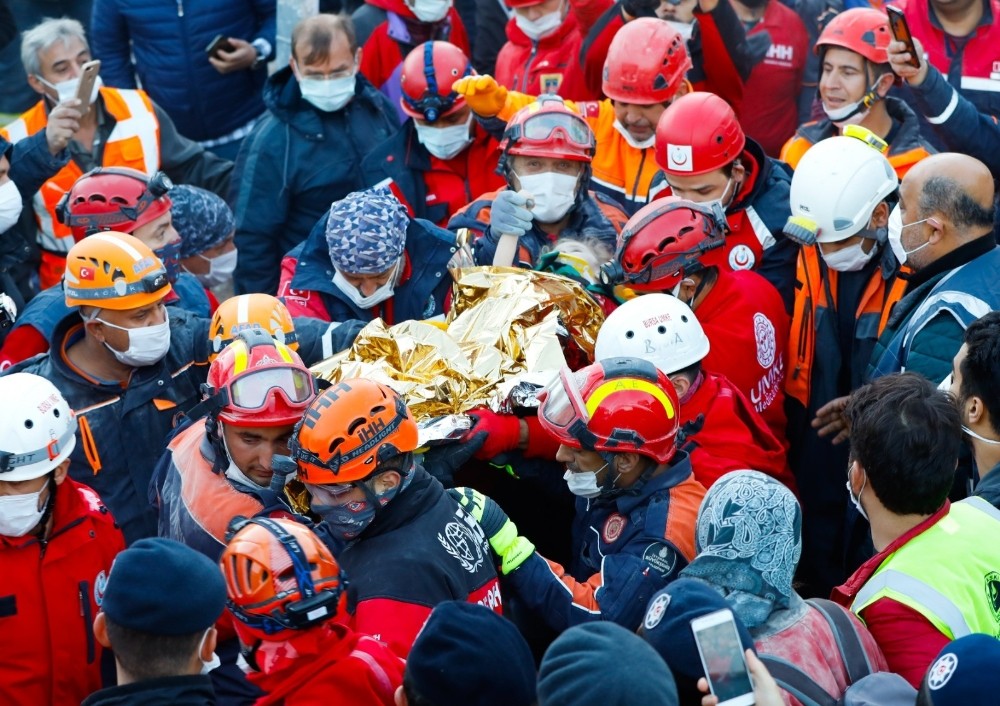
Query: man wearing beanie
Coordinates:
[158,615]
[964,674]
[366,259]
[603,664]
[451,663]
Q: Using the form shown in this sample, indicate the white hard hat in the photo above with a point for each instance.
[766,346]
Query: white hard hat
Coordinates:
[837,185]
[657,327]
[37,427]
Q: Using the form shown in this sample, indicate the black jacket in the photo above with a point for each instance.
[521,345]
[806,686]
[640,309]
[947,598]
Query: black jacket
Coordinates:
[193,690]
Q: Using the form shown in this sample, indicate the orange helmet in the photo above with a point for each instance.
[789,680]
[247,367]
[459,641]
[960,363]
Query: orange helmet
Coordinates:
[646,63]
[251,311]
[114,271]
[279,577]
[862,30]
[698,133]
[349,430]
[426,79]
[113,198]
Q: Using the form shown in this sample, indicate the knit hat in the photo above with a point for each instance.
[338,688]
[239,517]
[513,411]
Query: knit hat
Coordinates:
[202,219]
[454,661]
[603,664]
[964,673]
[366,232]
[667,627]
[162,587]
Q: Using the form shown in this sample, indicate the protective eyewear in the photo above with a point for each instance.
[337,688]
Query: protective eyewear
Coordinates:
[148,284]
[542,126]
[252,390]
[330,493]
[562,406]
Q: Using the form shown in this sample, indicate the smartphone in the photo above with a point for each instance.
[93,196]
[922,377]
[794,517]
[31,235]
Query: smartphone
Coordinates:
[722,658]
[901,32]
[221,42]
[88,75]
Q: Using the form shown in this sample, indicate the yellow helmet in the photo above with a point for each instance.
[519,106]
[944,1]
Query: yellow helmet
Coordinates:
[115,271]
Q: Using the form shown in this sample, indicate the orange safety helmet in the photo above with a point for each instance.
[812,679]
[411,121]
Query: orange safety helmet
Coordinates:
[646,63]
[426,79]
[251,311]
[613,406]
[698,133]
[113,271]
[349,430]
[862,30]
[279,577]
[547,128]
[113,198]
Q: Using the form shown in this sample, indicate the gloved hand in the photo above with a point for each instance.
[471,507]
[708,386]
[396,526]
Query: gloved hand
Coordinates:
[509,215]
[443,461]
[499,529]
[500,432]
[483,94]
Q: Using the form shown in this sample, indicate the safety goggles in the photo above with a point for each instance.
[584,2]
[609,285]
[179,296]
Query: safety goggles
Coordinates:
[148,284]
[562,406]
[542,126]
[330,493]
[252,390]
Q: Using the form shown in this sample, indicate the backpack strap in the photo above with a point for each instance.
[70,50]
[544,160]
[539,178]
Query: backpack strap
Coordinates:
[796,682]
[852,651]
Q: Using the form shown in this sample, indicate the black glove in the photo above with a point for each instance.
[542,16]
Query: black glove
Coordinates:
[443,461]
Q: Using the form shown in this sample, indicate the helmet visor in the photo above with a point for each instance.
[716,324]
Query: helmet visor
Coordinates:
[251,391]
[542,126]
[562,404]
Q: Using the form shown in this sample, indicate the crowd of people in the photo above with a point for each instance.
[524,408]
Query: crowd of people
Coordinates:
[784,212]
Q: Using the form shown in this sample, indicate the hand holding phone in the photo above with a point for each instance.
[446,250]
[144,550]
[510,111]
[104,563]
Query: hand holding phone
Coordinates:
[88,77]
[220,43]
[901,31]
[722,658]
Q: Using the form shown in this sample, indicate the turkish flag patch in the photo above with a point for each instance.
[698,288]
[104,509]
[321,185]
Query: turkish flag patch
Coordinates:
[87,273]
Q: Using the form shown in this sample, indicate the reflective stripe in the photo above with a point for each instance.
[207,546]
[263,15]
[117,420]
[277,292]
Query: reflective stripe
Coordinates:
[16,131]
[118,243]
[917,591]
[762,232]
[142,124]
[952,104]
[243,309]
[972,83]
[982,505]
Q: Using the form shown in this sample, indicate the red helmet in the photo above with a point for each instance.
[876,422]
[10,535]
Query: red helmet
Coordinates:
[113,198]
[613,406]
[428,74]
[522,3]
[260,382]
[646,63]
[279,577]
[698,133]
[863,30]
[667,240]
[547,128]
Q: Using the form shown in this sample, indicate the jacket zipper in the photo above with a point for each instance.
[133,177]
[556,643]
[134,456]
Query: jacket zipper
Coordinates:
[88,620]
[180,8]
[527,68]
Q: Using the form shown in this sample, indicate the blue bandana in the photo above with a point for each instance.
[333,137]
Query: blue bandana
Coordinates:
[203,219]
[366,232]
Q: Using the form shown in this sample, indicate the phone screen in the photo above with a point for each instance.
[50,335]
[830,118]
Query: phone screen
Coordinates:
[722,653]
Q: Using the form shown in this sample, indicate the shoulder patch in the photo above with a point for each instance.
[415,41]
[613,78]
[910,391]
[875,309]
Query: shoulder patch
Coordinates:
[660,558]
[656,610]
[613,528]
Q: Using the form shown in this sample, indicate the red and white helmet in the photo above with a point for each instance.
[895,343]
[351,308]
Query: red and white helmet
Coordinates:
[547,128]
[113,198]
[427,77]
[646,63]
[863,30]
[697,134]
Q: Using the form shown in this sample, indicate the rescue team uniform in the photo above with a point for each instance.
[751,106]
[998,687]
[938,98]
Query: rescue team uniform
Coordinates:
[906,145]
[723,433]
[420,550]
[50,592]
[837,319]
[592,216]
[432,188]
[934,584]
[626,550]
[423,291]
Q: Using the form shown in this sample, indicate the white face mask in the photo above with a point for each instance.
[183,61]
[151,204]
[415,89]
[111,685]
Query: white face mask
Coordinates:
[19,514]
[723,204]
[554,194]
[853,113]
[896,226]
[543,26]
[220,269]
[430,10]
[583,484]
[856,501]
[146,345]
[10,205]
[849,259]
[354,294]
[213,663]
[67,89]
[328,95]
[623,131]
[445,142]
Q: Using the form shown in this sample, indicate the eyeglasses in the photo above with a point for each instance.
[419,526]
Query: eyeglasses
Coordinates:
[331,493]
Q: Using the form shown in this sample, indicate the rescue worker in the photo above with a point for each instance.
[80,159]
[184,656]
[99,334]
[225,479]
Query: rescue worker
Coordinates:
[288,597]
[126,201]
[547,153]
[644,72]
[853,88]
[207,228]
[127,364]
[679,247]
[406,545]
[57,542]
[368,259]
[119,128]
[934,578]
[442,157]
[706,158]
[719,429]
[637,500]
[846,285]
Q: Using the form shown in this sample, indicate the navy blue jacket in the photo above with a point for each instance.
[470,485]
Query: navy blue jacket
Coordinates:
[168,41]
[421,296]
[296,162]
[194,690]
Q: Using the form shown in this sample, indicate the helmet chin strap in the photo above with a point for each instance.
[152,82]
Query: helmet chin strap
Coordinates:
[609,491]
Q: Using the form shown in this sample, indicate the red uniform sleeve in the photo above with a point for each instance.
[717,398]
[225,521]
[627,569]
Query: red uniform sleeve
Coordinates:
[595,49]
[393,622]
[718,41]
[22,343]
[588,12]
[299,302]
[908,640]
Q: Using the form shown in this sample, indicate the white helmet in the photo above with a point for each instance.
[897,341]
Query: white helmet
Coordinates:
[836,186]
[659,328]
[37,427]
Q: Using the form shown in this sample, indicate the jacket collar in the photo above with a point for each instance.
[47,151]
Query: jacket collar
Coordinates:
[284,99]
[961,255]
[557,38]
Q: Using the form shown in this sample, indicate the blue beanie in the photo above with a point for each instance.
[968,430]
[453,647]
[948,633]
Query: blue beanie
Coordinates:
[965,672]
[162,587]
[603,664]
[454,660]
[366,231]
[202,219]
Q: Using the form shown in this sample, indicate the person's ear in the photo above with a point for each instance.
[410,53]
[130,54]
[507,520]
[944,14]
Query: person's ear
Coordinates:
[101,631]
[387,481]
[628,462]
[683,89]
[687,290]
[38,87]
[975,410]
[739,173]
[937,229]
[60,472]
[209,645]
[880,216]
[884,84]
[681,385]
[400,696]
